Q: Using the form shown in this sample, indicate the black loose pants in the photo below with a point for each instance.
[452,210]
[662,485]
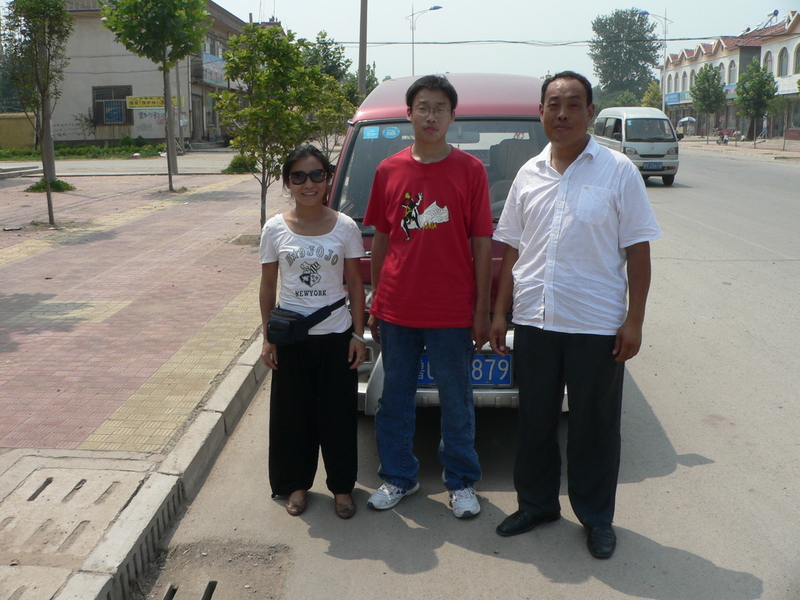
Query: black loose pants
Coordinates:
[313,405]
[545,362]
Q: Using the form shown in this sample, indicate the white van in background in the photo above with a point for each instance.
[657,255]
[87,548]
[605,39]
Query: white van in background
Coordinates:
[645,135]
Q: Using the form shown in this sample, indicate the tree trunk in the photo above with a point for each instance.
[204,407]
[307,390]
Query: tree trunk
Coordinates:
[48,155]
[182,144]
[171,160]
[785,123]
[264,188]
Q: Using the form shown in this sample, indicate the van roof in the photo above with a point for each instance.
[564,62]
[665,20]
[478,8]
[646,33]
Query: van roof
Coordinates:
[479,94]
[633,112]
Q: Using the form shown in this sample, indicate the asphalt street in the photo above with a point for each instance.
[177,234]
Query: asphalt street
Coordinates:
[707,502]
[128,356]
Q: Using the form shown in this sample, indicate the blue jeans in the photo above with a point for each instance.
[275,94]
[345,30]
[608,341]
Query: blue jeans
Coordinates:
[450,352]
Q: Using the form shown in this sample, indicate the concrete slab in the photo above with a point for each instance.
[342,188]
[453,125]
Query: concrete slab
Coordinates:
[131,543]
[25,582]
[88,585]
[196,451]
[56,516]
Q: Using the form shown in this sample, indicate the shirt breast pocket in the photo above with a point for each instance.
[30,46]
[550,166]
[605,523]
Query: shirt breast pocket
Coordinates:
[594,204]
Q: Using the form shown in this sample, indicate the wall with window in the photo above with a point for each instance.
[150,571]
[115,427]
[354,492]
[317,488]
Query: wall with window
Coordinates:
[101,74]
[782,57]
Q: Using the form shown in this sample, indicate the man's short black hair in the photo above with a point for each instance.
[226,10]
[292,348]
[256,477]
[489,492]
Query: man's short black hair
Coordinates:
[432,82]
[570,75]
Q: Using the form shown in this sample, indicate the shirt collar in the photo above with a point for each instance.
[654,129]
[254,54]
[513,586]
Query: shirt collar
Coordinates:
[591,150]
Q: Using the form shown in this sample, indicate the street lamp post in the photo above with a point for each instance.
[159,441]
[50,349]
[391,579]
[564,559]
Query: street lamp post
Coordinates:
[664,20]
[413,19]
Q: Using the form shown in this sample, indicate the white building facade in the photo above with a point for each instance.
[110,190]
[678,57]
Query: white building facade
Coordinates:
[109,92]
[776,46]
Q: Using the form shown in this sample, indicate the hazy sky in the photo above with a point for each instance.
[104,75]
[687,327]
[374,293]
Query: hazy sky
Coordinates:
[556,33]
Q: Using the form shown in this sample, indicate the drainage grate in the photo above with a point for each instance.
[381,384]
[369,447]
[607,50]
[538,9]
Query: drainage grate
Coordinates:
[56,517]
[218,571]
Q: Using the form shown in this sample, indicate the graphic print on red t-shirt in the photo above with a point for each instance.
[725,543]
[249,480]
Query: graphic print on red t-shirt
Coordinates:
[429,219]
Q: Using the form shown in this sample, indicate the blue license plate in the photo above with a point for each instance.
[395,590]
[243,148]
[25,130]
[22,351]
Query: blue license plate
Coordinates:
[652,166]
[486,370]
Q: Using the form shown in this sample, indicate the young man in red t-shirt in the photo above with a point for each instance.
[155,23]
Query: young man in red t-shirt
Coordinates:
[431,278]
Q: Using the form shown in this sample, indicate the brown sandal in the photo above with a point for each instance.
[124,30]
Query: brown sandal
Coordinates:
[296,503]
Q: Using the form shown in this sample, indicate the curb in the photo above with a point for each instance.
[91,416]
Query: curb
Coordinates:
[132,542]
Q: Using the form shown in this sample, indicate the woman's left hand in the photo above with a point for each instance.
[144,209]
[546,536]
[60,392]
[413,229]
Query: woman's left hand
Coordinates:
[357,353]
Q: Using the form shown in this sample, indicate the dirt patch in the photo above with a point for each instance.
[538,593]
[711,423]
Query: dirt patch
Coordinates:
[217,571]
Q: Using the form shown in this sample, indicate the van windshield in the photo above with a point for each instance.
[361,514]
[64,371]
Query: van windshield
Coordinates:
[502,145]
[649,130]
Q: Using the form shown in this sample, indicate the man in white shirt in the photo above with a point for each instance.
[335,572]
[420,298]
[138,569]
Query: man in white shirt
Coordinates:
[577,227]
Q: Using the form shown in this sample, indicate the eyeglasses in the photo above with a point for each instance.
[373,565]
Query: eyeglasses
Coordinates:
[424,111]
[299,177]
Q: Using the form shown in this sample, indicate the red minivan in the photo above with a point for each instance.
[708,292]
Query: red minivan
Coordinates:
[497,120]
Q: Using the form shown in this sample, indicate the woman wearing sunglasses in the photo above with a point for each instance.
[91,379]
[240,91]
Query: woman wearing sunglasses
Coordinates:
[313,401]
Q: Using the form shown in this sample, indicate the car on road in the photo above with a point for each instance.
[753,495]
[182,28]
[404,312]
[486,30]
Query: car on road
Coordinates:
[497,120]
[645,135]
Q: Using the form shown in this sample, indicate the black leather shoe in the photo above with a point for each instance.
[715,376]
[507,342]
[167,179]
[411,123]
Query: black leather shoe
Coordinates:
[601,541]
[522,521]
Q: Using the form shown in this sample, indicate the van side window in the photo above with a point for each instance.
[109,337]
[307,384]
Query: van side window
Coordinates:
[612,126]
[599,125]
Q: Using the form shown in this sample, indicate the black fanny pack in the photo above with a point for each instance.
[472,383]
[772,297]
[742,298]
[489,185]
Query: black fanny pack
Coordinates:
[288,327]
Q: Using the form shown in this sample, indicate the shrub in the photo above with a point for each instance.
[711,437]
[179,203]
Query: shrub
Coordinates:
[242,163]
[127,141]
[139,142]
[55,186]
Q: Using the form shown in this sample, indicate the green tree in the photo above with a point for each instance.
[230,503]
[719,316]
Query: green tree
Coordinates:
[334,106]
[623,49]
[627,98]
[334,109]
[351,84]
[754,90]
[329,56]
[652,95]
[781,106]
[602,98]
[165,31]
[9,99]
[269,115]
[708,95]
[34,40]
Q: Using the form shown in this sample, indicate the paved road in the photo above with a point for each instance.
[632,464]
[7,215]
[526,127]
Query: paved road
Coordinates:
[115,329]
[707,503]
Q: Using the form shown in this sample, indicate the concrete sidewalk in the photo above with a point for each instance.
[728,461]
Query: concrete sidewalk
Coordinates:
[770,149]
[129,347]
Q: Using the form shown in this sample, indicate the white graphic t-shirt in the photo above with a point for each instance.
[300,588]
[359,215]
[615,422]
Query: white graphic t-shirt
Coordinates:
[312,268]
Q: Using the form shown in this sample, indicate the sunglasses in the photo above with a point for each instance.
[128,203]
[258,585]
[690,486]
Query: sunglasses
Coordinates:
[299,177]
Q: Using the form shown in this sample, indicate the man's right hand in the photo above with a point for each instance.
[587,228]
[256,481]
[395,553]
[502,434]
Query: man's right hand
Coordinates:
[497,335]
[375,328]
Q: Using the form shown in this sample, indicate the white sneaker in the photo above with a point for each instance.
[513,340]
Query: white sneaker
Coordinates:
[389,495]
[464,503]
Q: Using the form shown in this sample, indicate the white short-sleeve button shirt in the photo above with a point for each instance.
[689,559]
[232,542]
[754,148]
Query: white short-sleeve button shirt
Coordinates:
[571,232]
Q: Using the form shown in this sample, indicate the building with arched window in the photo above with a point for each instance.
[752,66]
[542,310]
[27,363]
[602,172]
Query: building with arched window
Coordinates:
[773,45]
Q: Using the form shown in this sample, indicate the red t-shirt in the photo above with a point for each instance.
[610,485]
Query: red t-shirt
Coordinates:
[430,212]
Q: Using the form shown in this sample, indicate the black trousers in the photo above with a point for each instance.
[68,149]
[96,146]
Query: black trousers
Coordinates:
[545,362]
[313,405]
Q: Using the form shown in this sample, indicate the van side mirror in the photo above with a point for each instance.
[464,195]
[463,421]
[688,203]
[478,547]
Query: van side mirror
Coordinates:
[617,136]
[680,136]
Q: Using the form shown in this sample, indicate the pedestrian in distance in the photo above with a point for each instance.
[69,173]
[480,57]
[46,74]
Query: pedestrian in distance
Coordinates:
[577,226]
[314,392]
[431,277]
